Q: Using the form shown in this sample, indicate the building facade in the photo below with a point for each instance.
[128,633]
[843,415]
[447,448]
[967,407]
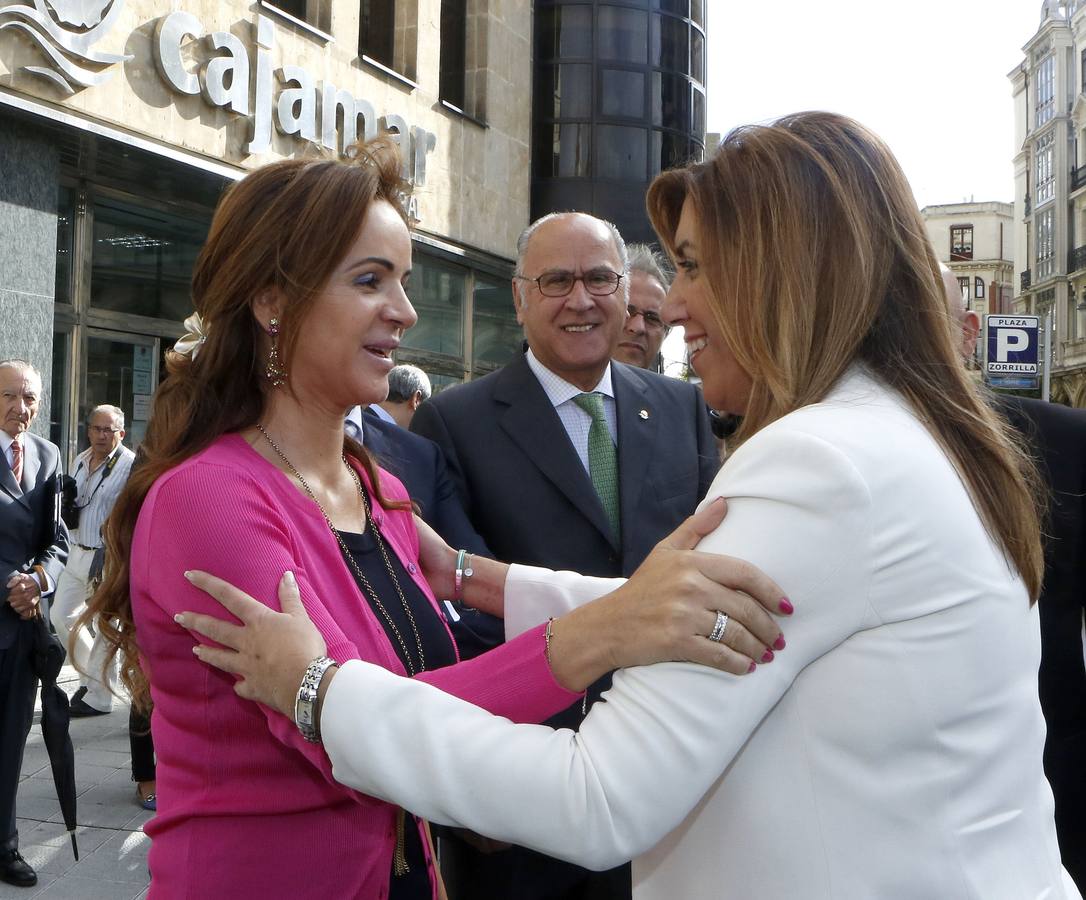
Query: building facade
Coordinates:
[975,241]
[122,122]
[619,96]
[1049,89]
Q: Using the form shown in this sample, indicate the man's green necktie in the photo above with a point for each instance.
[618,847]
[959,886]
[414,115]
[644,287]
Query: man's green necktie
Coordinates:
[602,458]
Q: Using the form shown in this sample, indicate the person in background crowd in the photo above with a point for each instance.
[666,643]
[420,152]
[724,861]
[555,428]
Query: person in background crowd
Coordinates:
[100,472]
[1057,436]
[300,291]
[567,460]
[33,549]
[408,388]
[895,749]
[644,331]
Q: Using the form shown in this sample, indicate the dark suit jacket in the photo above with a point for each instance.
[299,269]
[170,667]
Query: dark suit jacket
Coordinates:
[525,489]
[31,532]
[1058,436]
[529,496]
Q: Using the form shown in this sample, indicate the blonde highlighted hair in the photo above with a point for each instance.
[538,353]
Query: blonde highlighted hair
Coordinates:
[817,258]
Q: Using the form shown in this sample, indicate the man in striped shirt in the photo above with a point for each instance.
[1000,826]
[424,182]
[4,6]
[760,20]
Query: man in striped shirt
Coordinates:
[100,472]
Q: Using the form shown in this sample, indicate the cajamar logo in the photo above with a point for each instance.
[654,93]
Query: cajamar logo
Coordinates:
[66,30]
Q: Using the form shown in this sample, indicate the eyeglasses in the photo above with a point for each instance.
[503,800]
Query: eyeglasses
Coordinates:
[99,429]
[652,319]
[598,282]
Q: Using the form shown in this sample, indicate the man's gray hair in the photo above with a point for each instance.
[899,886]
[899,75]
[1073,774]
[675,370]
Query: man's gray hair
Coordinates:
[404,381]
[22,365]
[526,237]
[115,411]
[651,262]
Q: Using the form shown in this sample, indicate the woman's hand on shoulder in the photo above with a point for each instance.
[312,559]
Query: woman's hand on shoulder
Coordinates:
[670,606]
[269,651]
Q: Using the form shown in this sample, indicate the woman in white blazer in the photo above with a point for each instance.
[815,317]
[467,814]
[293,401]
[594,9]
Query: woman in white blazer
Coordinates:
[894,750]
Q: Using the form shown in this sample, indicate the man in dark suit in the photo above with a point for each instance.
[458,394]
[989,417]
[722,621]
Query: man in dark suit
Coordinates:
[552,477]
[1057,437]
[33,549]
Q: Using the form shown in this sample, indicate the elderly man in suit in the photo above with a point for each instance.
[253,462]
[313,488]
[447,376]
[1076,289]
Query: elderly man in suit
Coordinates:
[568,460]
[1057,436]
[33,549]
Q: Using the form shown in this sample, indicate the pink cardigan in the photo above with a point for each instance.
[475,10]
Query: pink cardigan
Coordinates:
[246,808]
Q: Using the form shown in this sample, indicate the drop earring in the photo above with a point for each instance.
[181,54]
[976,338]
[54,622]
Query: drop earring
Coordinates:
[273,370]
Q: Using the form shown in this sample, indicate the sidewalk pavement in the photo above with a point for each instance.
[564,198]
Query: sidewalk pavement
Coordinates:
[112,847]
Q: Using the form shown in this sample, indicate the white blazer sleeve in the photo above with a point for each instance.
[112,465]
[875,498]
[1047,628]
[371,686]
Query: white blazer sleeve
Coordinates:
[800,511]
[533,595]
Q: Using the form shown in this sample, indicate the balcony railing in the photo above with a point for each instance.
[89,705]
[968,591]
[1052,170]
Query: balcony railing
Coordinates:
[1026,281]
[1078,178]
[1076,259]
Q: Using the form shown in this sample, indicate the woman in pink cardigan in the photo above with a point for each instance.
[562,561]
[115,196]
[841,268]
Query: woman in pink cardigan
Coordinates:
[247,475]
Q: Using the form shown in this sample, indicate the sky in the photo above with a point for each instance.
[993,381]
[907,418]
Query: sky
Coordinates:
[928,76]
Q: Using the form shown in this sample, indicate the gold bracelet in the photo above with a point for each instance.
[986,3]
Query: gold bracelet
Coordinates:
[547,641]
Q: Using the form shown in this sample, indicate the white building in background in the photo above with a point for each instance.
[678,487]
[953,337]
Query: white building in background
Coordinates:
[976,241]
[1049,88]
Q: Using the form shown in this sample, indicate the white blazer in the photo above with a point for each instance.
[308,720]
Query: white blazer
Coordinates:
[892,750]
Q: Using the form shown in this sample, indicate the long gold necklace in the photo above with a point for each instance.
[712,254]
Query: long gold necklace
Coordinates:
[359,574]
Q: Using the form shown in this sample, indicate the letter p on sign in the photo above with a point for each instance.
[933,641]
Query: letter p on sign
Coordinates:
[1010,340]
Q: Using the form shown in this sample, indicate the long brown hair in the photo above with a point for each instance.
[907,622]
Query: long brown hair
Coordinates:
[817,257]
[285,226]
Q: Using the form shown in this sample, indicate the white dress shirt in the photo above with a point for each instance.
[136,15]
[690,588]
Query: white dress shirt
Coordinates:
[892,751]
[575,420]
[98,491]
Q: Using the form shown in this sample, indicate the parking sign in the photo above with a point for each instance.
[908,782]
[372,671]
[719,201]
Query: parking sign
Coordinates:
[1012,345]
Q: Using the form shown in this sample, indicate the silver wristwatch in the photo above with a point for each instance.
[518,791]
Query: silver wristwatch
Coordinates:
[305,706]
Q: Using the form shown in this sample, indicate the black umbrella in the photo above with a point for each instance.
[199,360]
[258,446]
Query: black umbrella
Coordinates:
[49,656]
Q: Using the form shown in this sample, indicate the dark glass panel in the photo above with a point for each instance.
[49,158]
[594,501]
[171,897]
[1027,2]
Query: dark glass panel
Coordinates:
[697,111]
[497,335]
[454,36]
[142,259]
[620,152]
[564,32]
[697,12]
[697,56]
[674,44]
[679,7]
[622,93]
[623,34]
[670,150]
[561,151]
[437,292]
[376,30]
[58,393]
[65,218]
[563,92]
[671,101]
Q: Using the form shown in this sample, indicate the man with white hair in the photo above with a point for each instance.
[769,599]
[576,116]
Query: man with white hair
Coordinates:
[1057,436]
[100,472]
[408,388]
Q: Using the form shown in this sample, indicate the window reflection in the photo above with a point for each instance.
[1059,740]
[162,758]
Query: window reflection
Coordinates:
[622,93]
[679,7]
[564,31]
[674,44]
[697,56]
[497,334]
[65,218]
[670,100]
[564,91]
[623,34]
[620,152]
[142,259]
[437,293]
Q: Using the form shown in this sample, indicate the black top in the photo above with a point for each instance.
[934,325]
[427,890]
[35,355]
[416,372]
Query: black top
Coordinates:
[437,648]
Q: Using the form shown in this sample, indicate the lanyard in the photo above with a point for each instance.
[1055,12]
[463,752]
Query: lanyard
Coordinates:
[105,474]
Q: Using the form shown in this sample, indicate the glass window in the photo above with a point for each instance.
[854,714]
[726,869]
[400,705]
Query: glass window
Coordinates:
[978,288]
[1045,158]
[623,34]
[377,30]
[697,56]
[58,391]
[961,242]
[963,286]
[454,36]
[1046,242]
[620,152]
[122,372]
[497,335]
[697,12]
[670,150]
[622,93]
[561,150]
[564,91]
[142,259]
[670,101]
[65,220]
[1046,89]
[697,111]
[437,292]
[679,7]
[564,31]
[674,44]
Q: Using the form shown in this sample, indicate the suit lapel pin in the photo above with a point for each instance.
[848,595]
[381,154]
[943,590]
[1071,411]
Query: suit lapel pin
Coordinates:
[644,414]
